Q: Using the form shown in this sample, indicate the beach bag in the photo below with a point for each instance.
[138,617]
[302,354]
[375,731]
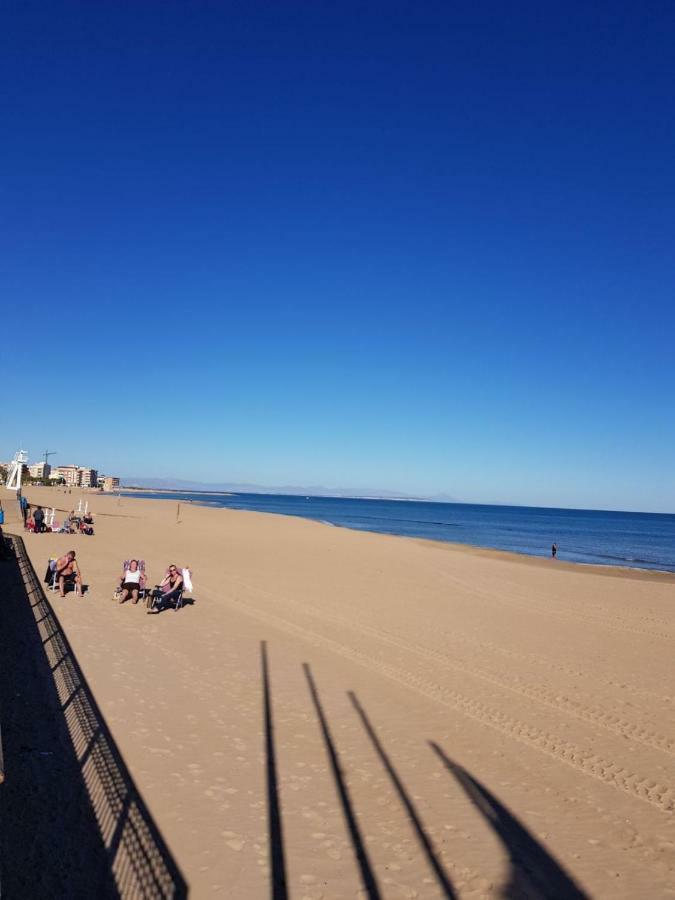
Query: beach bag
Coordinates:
[117,594]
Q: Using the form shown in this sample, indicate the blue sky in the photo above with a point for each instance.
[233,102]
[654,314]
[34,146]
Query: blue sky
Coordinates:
[422,247]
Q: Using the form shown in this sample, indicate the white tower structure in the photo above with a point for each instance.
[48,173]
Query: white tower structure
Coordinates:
[15,470]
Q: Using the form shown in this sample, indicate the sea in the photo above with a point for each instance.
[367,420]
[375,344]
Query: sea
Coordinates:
[628,539]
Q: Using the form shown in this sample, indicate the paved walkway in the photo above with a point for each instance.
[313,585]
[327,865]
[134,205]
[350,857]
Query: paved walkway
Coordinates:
[13,517]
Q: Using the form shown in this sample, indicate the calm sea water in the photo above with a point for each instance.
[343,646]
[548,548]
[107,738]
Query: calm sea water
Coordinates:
[637,540]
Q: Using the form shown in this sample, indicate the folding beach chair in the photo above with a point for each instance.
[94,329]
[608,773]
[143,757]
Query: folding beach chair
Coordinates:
[143,589]
[154,597]
[50,576]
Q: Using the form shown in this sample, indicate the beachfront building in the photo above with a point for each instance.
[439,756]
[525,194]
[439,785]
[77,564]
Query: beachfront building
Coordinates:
[111,483]
[39,470]
[70,474]
[87,477]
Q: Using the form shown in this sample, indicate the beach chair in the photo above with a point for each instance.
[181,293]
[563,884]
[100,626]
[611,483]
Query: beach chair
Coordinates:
[154,596]
[143,590]
[50,576]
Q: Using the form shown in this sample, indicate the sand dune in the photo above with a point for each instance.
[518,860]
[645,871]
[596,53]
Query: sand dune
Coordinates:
[434,721]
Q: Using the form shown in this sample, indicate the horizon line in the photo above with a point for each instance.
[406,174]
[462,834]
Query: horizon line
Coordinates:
[298,491]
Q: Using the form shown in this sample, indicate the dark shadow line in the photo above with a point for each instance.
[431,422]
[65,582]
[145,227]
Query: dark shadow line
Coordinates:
[534,872]
[66,703]
[57,664]
[139,860]
[422,836]
[89,749]
[275,825]
[367,874]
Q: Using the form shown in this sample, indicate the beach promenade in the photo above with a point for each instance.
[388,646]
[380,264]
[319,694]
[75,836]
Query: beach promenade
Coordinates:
[340,714]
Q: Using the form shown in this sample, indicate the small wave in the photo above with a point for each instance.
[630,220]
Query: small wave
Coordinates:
[623,559]
[389,523]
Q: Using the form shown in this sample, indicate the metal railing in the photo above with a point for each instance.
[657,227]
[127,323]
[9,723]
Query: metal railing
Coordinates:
[139,860]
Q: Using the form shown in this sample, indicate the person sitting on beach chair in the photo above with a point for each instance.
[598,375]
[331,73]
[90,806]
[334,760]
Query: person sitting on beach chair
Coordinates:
[71,523]
[170,591]
[67,570]
[132,580]
[87,524]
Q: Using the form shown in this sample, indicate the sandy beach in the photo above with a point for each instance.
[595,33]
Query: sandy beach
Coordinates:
[364,715]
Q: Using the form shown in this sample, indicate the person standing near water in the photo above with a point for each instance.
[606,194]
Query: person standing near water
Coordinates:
[554,551]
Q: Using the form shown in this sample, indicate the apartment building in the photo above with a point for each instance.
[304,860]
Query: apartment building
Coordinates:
[70,474]
[39,470]
[110,483]
[87,477]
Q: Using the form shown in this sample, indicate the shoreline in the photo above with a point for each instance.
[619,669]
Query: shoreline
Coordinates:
[607,569]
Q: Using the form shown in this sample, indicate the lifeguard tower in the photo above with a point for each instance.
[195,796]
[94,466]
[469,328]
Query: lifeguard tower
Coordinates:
[15,470]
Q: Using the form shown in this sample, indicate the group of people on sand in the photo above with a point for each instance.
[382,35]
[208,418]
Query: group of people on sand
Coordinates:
[73,524]
[132,582]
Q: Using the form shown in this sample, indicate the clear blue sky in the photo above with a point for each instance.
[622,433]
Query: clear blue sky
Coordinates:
[416,246]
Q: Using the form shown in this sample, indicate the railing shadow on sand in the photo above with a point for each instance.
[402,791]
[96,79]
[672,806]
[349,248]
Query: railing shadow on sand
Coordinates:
[533,871]
[132,849]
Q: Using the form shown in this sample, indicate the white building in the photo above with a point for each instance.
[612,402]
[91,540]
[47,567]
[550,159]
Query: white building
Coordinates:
[39,470]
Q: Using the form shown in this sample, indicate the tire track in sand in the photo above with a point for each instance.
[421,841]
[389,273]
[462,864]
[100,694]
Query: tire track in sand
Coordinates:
[585,712]
[609,619]
[660,796]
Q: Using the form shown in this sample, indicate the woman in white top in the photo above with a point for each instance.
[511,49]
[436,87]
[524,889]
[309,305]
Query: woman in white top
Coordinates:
[131,582]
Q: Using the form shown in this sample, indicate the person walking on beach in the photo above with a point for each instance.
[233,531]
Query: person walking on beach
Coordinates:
[554,551]
[39,519]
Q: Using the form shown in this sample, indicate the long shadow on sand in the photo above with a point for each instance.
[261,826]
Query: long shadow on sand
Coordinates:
[367,875]
[73,821]
[275,827]
[534,874]
[424,839]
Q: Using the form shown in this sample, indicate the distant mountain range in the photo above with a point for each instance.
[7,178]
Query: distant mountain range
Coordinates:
[311,490]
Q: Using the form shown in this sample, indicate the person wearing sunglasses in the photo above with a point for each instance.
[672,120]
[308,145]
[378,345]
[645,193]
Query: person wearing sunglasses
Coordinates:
[169,590]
